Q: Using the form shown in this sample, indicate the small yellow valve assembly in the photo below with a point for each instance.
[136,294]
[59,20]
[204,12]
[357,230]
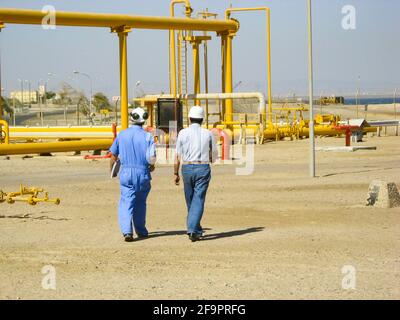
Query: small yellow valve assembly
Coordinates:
[29,195]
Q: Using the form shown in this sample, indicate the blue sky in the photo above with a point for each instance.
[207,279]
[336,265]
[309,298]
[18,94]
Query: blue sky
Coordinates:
[371,51]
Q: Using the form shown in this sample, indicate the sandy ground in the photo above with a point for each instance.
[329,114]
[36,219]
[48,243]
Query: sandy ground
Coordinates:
[274,234]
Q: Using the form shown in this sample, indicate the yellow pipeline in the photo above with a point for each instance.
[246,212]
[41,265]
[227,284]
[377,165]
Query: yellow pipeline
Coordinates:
[277,132]
[34,133]
[172,49]
[6,131]
[268,16]
[82,19]
[48,147]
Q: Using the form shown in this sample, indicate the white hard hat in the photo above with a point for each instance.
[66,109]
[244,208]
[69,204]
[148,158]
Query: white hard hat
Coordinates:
[138,115]
[196,112]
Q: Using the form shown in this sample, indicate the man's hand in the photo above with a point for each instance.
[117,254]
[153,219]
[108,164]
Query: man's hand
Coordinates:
[113,159]
[177,179]
[176,169]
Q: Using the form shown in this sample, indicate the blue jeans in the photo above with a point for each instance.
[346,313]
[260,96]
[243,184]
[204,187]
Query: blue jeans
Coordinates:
[196,178]
[135,187]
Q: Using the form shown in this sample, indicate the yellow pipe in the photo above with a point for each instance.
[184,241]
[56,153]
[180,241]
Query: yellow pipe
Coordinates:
[172,49]
[268,16]
[196,69]
[180,88]
[82,19]
[6,130]
[123,60]
[228,77]
[223,66]
[61,129]
[48,147]
[35,133]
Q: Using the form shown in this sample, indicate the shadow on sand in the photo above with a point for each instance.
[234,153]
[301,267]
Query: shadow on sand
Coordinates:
[206,237]
[29,216]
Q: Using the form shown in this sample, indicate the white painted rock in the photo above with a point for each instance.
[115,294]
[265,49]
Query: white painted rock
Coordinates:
[383,194]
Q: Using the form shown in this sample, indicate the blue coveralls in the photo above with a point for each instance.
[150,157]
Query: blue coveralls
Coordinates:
[134,147]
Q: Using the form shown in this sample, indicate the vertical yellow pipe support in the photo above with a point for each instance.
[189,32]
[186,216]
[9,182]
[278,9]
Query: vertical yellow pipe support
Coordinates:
[268,16]
[196,41]
[123,73]
[228,77]
[172,49]
[223,67]
[180,39]
[196,69]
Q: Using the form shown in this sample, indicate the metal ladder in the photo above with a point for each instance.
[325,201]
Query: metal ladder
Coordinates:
[183,80]
[184,65]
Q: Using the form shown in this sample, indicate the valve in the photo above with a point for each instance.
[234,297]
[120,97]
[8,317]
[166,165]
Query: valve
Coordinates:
[32,196]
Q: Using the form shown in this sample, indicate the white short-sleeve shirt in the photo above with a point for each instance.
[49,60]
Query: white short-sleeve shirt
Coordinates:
[195,143]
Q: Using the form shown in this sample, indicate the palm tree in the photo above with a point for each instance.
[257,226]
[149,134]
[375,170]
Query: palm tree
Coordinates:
[100,101]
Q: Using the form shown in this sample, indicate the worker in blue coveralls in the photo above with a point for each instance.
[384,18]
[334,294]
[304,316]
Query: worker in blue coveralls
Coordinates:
[135,149]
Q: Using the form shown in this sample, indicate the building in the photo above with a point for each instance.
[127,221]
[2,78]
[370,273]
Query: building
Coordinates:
[25,96]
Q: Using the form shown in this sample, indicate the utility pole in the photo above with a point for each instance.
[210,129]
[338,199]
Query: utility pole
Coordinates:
[14,110]
[22,92]
[395,110]
[29,92]
[40,104]
[311,93]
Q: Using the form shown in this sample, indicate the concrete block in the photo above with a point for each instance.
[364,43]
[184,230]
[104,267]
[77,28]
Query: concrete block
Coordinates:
[383,194]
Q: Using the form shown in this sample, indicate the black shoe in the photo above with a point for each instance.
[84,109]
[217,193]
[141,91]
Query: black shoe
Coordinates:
[128,237]
[194,237]
[142,236]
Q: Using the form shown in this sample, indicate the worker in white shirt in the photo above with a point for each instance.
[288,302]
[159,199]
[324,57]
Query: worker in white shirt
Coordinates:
[196,149]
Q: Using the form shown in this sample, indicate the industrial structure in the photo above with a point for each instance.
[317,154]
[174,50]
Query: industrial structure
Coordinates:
[192,31]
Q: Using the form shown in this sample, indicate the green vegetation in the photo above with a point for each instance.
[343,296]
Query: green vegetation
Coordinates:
[100,101]
[7,104]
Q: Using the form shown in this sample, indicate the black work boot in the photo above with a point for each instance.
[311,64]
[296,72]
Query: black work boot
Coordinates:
[128,237]
[194,237]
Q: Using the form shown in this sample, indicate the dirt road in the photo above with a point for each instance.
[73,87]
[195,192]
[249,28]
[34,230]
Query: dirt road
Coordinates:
[274,234]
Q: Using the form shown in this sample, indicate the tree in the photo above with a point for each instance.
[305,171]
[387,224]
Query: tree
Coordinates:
[100,101]
[83,104]
[50,95]
[65,94]
[7,104]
